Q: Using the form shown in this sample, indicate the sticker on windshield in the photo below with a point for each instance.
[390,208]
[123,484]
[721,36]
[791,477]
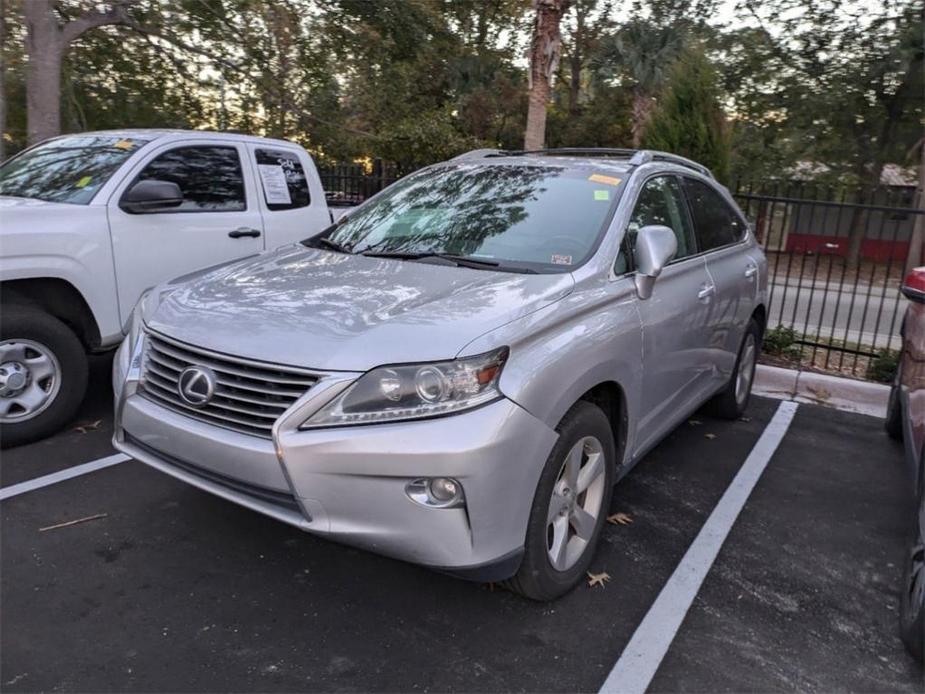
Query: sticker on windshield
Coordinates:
[600,178]
[124,144]
[561,260]
[84,182]
[602,195]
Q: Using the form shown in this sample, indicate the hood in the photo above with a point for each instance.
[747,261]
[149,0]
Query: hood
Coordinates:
[31,206]
[331,311]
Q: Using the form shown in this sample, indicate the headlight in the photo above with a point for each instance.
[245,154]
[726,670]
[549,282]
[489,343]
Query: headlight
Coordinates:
[135,322]
[414,391]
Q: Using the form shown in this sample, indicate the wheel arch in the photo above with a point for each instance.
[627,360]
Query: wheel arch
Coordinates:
[611,398]
[760,316]
[59,298]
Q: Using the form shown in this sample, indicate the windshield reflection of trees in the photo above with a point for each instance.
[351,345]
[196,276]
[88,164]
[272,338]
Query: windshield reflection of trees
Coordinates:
[476,204]
[53,172]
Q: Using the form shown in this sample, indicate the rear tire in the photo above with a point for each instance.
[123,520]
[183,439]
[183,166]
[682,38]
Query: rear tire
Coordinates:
[894,410]
[43,375]
[570,505]
[732,401]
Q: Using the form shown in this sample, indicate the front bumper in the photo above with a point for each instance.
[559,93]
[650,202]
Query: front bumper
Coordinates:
[348,483]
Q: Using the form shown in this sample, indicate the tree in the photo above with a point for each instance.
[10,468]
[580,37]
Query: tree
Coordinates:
[47,42]
[545,50]
[689,119]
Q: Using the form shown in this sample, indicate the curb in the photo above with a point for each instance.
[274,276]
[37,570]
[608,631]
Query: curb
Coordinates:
[840,393]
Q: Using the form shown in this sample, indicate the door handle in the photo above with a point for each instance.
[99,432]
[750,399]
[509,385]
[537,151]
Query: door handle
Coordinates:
[706,291]
[244,231]
[751,270]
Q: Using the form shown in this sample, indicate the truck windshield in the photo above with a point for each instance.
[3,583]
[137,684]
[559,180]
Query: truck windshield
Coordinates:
[67,169]
[536,217]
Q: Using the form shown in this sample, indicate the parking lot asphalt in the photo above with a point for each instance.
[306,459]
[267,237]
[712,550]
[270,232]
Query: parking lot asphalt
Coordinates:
[176,590]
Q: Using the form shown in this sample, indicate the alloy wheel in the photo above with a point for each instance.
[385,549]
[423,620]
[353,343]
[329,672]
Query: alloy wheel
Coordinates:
[575,503]
[746,370]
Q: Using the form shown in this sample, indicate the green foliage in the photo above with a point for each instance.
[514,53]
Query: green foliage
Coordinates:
[882,368]
[782,342]
[689,119]
[836,82]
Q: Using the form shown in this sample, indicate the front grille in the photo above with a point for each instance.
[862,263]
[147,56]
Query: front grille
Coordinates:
[249,396]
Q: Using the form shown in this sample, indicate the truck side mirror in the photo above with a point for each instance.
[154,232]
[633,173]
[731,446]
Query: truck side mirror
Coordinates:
[151,196]
[655,246]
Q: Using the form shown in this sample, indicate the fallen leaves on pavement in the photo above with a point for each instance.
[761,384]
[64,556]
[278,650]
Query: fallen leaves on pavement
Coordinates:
[598,579]
[620,519]
[92,426]
[709,436]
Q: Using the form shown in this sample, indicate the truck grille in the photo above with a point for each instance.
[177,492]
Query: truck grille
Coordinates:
[249,396]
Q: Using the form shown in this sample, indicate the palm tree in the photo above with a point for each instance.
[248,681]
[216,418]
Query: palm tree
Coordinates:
[545,51]
[640,54]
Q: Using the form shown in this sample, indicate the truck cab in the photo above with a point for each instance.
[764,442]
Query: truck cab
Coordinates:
[88,222]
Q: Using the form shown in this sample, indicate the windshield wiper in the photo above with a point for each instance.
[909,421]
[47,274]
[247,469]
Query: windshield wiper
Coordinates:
[328,243]
[460,260]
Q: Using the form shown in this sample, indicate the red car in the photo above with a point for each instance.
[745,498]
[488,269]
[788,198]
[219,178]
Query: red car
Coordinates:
[905,420]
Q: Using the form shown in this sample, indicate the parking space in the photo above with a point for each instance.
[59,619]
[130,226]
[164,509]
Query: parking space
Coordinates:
[176,590]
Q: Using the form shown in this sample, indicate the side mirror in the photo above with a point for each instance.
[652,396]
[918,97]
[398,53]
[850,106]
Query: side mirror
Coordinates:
[655,246]
[914,286]
[151,196]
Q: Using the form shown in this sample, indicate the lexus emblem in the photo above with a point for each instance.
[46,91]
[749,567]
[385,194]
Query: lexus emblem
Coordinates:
[196,385]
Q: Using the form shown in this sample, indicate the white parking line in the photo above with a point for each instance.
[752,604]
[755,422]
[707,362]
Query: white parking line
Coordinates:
[652,638]
[60,476]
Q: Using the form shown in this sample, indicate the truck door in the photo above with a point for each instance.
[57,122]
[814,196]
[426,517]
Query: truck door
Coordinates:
[218,220]
[290,193]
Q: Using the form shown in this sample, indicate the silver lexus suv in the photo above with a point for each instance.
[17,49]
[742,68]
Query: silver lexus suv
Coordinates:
[458,372]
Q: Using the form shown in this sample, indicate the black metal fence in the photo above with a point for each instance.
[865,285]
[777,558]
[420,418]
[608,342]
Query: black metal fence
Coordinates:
[836,260]
[350,184]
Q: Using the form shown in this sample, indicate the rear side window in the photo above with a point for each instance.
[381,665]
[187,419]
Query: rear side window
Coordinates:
[715,223]
[209,177]
[282,177]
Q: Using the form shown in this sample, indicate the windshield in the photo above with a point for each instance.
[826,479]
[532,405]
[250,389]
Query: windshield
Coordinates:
[546,218]
[67,169]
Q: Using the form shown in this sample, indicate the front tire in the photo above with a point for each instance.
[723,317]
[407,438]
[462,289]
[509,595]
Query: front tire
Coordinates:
[912,601]
[43,375]
[569,507]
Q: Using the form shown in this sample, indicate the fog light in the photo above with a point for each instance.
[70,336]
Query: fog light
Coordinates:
[440,492]
[443,489]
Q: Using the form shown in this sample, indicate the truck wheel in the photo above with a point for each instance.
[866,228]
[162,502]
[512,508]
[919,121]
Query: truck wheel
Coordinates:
[43,374]
[731,402]
[571,502]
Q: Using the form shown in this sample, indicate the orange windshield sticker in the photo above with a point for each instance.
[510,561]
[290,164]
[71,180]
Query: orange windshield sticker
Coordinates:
[600,178]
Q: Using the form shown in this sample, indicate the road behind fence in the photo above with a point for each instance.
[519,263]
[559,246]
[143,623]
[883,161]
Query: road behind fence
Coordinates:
[825,312]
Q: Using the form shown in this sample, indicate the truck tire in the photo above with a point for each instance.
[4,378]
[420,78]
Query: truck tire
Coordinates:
[43,374]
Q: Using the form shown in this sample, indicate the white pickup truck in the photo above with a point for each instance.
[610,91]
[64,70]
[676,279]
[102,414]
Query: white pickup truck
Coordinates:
[89,222]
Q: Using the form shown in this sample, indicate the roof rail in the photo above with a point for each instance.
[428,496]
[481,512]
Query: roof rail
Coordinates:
[621,152]
[479,154]
[644,156]
[636,157]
